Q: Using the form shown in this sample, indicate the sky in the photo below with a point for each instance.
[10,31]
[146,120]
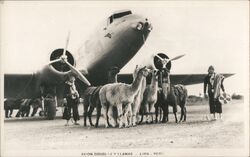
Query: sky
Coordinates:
[209,33]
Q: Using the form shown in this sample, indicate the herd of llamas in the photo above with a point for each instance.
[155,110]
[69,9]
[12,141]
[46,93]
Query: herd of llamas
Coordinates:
[123,103]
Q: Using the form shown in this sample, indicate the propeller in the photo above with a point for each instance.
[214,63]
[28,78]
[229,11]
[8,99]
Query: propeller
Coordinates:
[78,74]
[63,59]
[165,61]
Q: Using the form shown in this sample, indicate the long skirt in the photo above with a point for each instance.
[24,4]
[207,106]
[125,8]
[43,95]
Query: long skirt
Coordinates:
[72,104]
[215,105]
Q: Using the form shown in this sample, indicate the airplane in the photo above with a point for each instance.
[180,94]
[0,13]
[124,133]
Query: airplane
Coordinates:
[112,47]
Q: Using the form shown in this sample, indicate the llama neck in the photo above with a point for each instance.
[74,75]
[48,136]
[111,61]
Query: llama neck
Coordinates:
[136,83]
[154,82]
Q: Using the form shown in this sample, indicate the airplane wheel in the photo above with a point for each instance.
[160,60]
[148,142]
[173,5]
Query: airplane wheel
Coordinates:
[51,109]
[41,113]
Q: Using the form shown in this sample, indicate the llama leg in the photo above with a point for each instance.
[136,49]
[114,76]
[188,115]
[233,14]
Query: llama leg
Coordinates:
[11,111]
[134,119]
[130,115]
[18,114]
[85,109]
[147,113]
[105,110]
[6,113]
[185,113]
[34,111]
[85,112]
[165,114]
[160,113]
[115,115]
[134,111]
[182,114]
[98,114]
[142,115]
[127,115]
[175,111]
[111,116]
[142,112]
[91,109]
[151,113]
[119,110]
[156,114]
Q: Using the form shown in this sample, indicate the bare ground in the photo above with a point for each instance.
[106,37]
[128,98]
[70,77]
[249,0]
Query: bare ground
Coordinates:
[197,132]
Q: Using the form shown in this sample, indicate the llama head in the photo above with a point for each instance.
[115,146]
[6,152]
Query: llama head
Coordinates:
[165,75]
[114,70]
[155,74]
[135,71]
[144,71]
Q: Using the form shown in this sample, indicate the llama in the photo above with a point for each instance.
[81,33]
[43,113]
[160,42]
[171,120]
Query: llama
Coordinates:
[10,105]
[24,109]
[136,105]
[91,101]
[173,96]
[122,96]
[150,98]
[36,104]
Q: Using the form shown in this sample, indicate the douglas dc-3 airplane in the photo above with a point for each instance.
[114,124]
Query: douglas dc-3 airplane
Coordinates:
[112,47]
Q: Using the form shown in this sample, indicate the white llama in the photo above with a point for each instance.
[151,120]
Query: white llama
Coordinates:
[136,105]
[122,96]
[150,98]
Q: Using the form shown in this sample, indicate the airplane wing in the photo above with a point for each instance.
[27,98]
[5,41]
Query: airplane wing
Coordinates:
[28,86]
[20,85]
[185,79]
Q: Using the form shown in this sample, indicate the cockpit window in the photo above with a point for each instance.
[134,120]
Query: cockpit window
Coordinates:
[118,15]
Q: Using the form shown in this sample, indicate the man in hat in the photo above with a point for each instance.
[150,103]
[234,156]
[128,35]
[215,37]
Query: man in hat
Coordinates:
[72,97]
[214,105]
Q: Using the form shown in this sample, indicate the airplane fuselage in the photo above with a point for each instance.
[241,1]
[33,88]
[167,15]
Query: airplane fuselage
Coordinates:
[113,45]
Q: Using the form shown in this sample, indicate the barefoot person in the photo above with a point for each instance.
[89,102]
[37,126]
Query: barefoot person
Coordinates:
[215,83]
[72,97]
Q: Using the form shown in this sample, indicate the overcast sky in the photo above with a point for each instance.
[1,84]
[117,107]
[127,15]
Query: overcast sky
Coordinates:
[209,33]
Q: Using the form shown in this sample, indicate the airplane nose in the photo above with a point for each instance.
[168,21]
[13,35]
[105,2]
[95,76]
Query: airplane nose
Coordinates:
[144,26]
[147,26]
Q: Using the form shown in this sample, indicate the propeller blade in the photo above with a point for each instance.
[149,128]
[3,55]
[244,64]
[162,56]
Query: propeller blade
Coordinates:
[54,61]
[66,45]
[78,73]
[159,57]
[177,57]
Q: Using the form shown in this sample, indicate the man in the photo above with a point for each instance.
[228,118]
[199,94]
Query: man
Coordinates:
[211,81]
[72,97]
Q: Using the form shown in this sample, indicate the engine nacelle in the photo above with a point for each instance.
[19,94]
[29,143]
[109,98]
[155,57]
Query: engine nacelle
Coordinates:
[156,63]
[59,66]
[57,72]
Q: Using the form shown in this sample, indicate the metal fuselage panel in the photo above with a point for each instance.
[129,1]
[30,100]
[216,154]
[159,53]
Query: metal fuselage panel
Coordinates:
[113,46]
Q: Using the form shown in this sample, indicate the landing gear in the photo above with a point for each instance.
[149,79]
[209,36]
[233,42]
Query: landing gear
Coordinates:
[49,103]
[50,108]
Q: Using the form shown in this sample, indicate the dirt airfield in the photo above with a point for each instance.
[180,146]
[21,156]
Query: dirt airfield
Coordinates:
[35,134]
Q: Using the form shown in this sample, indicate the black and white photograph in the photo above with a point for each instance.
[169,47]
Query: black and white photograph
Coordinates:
[124,78]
